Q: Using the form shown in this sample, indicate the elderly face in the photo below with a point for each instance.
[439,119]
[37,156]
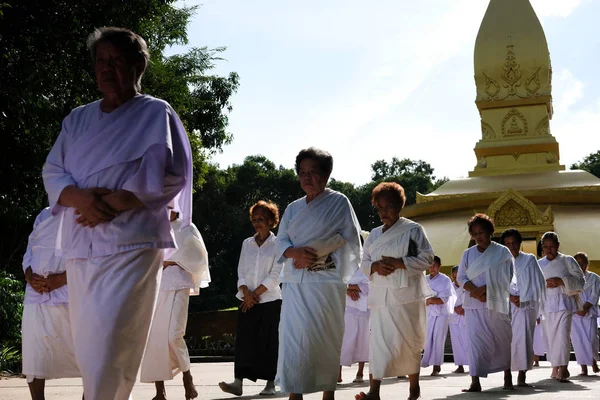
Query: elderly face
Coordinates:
[550,249]
[311,178]
[114,75]
[481,237]
[261,220]
[434,269]
[581,263]
[513,245]
[388,212]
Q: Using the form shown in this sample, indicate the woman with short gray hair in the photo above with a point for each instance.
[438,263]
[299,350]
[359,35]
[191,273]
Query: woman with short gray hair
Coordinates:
[116,165]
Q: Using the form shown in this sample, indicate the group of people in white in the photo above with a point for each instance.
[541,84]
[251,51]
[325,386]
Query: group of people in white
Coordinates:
[313,298]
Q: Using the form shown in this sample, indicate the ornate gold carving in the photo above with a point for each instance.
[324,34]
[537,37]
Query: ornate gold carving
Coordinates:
[513,209]
[551,158]
[481,163]
[517,124]
[543,127]
[487,132]
[513,82]
[425,198]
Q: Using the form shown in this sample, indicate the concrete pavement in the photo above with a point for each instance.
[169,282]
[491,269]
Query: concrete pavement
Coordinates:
[445,386]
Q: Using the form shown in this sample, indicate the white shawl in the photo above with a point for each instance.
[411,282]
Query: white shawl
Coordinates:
[191,254]
[566,268]
[529,279]
[496,263]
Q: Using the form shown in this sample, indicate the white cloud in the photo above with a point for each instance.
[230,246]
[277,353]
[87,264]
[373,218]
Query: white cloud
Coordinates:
[555,8]
[567,90]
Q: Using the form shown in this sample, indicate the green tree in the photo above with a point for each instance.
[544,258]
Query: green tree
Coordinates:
[590,163]
[45,71]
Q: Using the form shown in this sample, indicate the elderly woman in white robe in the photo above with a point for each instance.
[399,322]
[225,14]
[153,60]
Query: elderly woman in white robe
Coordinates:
[116,165]
[46,328]
[564,283]
[584,329]
[185,271]
[485,272]
[396,256]
[319,241]
[527,291]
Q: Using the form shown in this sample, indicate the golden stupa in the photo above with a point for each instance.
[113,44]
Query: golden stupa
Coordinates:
[518,179]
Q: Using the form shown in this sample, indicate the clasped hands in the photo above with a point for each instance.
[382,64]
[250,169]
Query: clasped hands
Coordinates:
[554,283]
[459,310]
[92,206]
[479,293]
[251,298]
[516,300]
[303,257]
[353,291]
[45,285]
[586,309]
[387,265]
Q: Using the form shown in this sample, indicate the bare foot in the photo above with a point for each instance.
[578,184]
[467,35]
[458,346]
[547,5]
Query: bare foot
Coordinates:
[269,389]
[367,396]
[339,379]
[231,388]
[521,379]
[414,393]
[563,375]
[436,370]
[554,373]
[473,388]
[584,371]
[159,397]
[595,368]
[459,370]
[358,379]
[190,388]
[508,385]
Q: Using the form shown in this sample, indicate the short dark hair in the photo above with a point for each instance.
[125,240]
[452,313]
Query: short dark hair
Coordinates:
[512,232]
[269,207]
[322,157]
[583,256]
[455,269]
[133,46]
[483,221]
[437,260]
[392,189]
[551,236]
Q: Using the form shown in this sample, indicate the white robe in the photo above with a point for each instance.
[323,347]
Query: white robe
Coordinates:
[355,346]
[311,328]
[584,330]
[438,318]
[397,301]
[458,330]
[488,323]
[539,340]
[559,305]
[166,352]
[529,284]
[113,268]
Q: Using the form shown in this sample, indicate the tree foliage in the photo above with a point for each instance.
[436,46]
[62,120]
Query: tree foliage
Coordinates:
[46,71]
[590,163]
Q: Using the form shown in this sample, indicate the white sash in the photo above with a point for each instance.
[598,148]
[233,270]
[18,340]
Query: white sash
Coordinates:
[191,254]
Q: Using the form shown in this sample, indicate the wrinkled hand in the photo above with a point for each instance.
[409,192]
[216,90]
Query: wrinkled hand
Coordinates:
[459,310]
[381,268]
[354,294]
[37,282]
[90,207]
[479,293]
[54,281]
[396,263]
[429,301]
[248,300]
[582,313]
[304,257]
[554,283]
[516,300]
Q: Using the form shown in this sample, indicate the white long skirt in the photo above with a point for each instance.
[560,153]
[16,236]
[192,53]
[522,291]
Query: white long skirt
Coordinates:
[47,343]
[111,300]
[539,340]
[459,338]
[355,346]
[523,329]
[490,335]
[311,331]
[557,327]
[437,330]
[166,352]
[397,338]
[584,336]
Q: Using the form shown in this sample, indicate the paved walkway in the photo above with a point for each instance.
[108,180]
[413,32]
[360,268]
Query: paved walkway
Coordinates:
[447,385]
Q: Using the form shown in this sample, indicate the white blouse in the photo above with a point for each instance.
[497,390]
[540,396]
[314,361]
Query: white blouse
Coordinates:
[258,266]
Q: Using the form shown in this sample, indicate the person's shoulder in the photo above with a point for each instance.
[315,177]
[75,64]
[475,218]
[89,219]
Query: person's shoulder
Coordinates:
[248,240]
[334,195]
[296,203]
[152,103]
[84,109]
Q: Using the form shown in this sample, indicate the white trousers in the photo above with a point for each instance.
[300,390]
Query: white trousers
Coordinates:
[47,343]
[523,328]
[557,326]
[584,336]
[166,352]
[111,301]
[437,330]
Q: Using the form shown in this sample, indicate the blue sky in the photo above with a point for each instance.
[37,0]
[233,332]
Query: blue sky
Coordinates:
[374,80]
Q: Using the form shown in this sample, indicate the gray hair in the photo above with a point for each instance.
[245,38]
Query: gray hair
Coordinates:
[583,256]
[133,46]
[551,236]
